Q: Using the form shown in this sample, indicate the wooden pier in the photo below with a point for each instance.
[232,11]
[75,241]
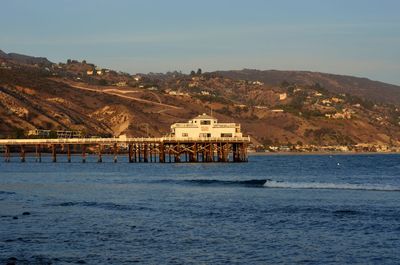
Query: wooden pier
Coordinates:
[137,150]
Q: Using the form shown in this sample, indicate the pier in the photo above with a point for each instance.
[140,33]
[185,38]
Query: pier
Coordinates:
[137,150]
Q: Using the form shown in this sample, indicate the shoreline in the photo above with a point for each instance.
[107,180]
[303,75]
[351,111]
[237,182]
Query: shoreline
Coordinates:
[318,153]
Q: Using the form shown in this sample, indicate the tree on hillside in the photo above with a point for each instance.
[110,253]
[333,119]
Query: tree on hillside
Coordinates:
[103,82]
[192,73]
[18,133]
[198,71]
[285,84]
[53,134]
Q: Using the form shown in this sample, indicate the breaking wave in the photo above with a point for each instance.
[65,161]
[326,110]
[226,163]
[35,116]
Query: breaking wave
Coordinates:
[334,186]
[268,183]
[215,182]
[249,183]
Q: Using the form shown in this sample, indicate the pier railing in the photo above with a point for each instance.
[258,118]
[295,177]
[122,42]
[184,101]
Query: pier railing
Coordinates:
[122,140]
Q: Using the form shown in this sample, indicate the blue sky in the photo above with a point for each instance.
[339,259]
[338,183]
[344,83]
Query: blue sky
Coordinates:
[353,37]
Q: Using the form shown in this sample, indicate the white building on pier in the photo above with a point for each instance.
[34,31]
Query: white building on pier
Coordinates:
[205,126]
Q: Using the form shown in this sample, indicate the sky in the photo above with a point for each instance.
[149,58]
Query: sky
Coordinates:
[351,37]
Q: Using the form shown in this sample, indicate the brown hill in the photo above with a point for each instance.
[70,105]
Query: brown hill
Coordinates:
[362,87]
[281,111]
[25,59]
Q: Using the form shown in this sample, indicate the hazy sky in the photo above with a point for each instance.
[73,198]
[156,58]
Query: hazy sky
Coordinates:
[354,37]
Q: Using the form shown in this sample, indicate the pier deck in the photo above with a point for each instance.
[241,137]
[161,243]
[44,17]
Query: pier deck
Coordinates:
[161,150]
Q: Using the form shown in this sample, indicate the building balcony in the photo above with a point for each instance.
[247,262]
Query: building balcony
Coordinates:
[226,125]
[184,125]
[215,125]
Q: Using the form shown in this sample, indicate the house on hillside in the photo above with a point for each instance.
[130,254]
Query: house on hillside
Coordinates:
[282,96]
[176,93]
[337,100]
[5,66]
[346,114]
[296,90]
[120,84]
[205,126]
[277,110]
[258,83]
[326,102]
[261,107]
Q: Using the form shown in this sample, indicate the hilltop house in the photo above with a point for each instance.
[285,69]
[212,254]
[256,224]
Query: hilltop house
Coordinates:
[205,126]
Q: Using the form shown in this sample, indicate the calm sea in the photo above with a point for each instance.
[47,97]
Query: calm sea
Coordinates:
[342,209]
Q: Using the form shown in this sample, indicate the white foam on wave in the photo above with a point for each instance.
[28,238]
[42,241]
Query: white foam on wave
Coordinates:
[337,186]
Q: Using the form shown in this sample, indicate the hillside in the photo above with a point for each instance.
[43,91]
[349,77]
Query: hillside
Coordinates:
[275,108]
[24,59]
[362,87]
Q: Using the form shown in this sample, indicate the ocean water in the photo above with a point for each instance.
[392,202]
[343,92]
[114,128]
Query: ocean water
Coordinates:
[311,209]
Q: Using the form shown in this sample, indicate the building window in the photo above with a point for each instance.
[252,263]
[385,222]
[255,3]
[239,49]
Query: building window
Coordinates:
[185,135]
[205,122]
[226,135]
[205,135]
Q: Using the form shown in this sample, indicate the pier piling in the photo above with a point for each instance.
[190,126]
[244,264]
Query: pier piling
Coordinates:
[22,153]
[115,148]
[7,154]
[68,153]
[84,153]
[99,153]
[54,153]
[38,151]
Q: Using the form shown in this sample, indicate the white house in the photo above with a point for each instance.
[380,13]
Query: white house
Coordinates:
[205,126]
[282,96]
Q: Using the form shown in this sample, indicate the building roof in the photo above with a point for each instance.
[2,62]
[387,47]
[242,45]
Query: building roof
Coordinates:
[204,116]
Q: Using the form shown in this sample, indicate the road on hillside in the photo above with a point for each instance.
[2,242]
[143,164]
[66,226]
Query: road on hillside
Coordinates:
[119,93]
